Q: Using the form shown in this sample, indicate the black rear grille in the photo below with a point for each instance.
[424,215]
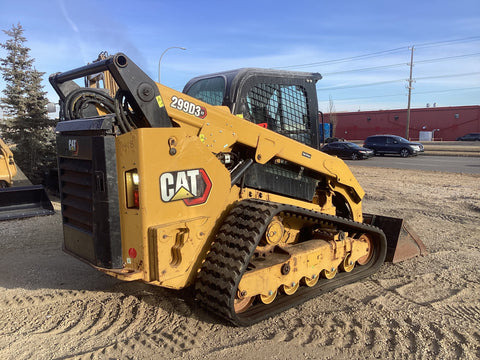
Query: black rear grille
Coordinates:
[76,192]
[89,192]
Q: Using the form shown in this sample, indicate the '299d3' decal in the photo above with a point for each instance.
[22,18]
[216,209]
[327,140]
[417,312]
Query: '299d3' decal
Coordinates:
[192,186]
[188,107]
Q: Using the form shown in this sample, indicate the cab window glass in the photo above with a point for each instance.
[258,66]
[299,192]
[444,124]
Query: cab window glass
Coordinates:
[211,91]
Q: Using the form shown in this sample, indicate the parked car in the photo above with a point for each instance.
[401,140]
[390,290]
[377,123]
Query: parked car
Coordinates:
[347,150]
[392,144]
[469,137]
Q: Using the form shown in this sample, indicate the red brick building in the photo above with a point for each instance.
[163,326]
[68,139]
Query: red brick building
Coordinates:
[447,123]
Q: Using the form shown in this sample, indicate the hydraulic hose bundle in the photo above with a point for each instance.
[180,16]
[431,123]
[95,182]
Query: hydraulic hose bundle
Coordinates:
[77,103]
[89,102]
[124,115]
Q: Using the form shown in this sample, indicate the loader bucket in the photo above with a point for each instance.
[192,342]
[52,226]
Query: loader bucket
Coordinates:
[24,201]
[402,242]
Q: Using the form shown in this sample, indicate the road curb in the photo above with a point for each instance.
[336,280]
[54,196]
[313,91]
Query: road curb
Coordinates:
[450,153]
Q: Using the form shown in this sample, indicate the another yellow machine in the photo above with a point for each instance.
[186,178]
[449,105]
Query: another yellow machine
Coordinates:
[220,187]
[19,201]
[7,166]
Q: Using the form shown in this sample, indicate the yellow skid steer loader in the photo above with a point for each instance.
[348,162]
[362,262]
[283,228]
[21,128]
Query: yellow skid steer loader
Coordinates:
[220,187]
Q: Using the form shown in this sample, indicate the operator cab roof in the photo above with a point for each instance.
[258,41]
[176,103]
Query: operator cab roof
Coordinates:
[235,80]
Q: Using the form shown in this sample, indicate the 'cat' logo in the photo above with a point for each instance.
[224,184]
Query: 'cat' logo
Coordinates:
[191,186]
[73,146]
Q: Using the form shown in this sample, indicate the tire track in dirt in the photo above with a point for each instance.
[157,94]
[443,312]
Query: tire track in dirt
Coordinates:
[76,313]
[440,339]
[469,313]
[171,341]
[344,333]
[407,338]
[437,291]
[134,321]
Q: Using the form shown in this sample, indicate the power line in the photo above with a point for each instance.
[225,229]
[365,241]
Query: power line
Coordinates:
[393,81]
[449,42]
[341,60]
[401,64]
[449,90]
[403,94]
[391,51]
[363,69]
[379,53]
[359,85]
[447,76]
[446,58]
[369,97]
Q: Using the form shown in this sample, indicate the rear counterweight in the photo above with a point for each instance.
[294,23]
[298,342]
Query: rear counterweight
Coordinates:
[88,191]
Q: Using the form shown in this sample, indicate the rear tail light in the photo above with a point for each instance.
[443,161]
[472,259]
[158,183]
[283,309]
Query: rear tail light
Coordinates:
[131,184]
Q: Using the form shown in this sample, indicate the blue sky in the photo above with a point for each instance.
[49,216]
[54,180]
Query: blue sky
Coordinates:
[294,35]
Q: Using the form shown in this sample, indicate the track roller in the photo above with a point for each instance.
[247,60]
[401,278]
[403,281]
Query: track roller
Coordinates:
[268,299]
[292,289]
[329,274]
[348,264]
[311,281]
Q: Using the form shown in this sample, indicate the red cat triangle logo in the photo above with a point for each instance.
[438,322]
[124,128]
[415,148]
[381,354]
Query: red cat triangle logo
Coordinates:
[192,186]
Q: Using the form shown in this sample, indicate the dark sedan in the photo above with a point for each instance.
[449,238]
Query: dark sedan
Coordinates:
[470,137]
[347,150]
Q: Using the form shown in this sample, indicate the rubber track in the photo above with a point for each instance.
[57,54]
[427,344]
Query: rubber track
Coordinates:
[236,241]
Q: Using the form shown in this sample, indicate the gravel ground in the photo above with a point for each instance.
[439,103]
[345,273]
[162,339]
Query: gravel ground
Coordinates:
[53,306]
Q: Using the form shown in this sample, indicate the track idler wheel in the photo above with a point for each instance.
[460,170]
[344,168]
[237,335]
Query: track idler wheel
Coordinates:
[366,258]
[242,303]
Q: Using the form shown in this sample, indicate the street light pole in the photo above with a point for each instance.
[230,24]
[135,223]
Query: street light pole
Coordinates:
[160,60]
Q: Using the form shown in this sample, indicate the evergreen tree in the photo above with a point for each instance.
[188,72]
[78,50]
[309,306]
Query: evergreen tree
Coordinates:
[27,124]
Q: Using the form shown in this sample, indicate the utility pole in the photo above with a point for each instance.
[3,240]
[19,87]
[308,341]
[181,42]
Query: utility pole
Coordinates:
[410,80]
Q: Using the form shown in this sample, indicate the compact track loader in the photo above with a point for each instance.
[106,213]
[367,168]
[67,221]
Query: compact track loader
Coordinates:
[7,165]
[19,201]
[220,187]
